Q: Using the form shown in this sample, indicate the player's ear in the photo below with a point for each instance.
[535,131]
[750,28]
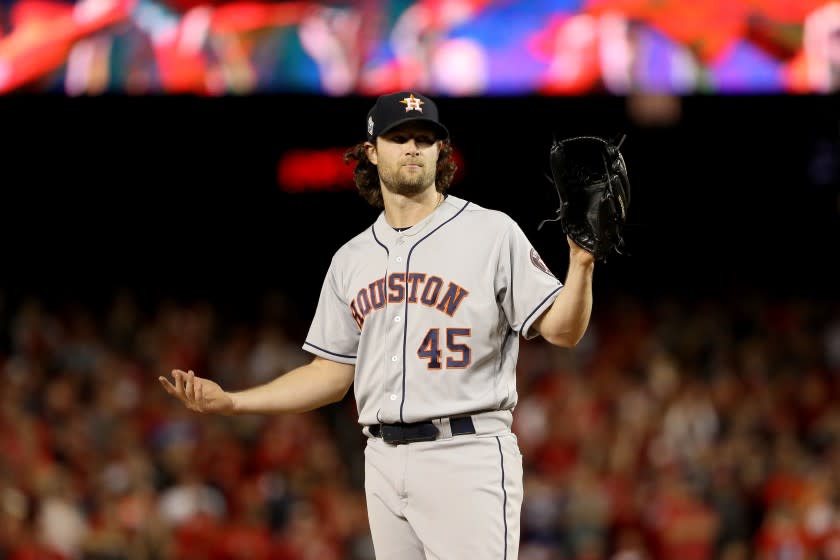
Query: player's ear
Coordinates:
[370,151]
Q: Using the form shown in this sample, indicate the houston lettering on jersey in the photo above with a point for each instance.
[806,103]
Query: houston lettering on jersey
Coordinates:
[417,287]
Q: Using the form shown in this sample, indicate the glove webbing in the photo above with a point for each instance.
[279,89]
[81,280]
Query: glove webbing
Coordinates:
[562,208]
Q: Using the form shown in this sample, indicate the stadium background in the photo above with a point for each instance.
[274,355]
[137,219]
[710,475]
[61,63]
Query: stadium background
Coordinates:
[186,193]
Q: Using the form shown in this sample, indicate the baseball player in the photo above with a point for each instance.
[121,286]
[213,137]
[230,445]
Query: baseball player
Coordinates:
[422,313]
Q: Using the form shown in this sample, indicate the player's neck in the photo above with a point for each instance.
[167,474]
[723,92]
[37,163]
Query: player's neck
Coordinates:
[405,211]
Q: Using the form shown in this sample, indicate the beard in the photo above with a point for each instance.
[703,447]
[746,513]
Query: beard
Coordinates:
[399,181]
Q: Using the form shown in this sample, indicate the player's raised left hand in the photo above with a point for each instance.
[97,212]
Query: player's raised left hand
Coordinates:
[197,393]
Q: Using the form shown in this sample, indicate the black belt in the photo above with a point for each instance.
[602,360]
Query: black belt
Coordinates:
[397,434]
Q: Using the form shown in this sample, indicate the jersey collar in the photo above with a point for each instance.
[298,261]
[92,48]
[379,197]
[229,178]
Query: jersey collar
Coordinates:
[446,210]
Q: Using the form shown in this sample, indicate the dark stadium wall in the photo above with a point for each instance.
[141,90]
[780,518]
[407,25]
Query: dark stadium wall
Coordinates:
[179,196]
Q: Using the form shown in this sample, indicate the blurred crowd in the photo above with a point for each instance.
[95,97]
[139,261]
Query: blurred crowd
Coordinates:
[675,430]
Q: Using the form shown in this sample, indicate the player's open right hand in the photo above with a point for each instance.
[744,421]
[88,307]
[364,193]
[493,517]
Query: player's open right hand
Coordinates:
[197,393]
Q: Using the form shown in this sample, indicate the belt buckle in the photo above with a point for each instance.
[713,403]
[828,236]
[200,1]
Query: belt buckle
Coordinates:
[391,433]
[398,434]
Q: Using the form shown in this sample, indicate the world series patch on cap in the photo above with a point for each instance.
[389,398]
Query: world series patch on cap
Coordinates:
[394,109]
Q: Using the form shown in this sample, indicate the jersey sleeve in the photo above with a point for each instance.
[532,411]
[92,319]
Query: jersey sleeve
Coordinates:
[525,287]
[333,334]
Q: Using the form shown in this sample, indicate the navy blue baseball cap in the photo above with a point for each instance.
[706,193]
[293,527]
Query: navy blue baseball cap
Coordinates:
[395,109]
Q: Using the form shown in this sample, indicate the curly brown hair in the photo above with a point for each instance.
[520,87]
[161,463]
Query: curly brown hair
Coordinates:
[366,176]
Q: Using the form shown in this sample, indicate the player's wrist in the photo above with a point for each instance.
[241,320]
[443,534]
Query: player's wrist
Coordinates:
[234,406]
[583,257]
[580,256]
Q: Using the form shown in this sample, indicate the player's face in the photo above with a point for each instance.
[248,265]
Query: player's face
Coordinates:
[406,158]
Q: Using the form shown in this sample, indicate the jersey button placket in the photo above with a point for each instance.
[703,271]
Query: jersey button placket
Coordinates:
[395,359]
[399,259]
[395,337]
[396,362]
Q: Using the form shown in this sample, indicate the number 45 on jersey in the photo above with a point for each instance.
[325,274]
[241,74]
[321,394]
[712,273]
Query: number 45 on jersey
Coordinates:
[457,354]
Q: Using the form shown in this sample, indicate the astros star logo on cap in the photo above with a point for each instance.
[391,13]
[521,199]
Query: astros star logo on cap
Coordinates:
[412,103]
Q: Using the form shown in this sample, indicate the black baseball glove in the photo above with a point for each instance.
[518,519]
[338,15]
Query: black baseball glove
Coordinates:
[591,180]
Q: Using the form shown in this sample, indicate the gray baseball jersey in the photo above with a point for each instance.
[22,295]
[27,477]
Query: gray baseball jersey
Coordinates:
[431,316]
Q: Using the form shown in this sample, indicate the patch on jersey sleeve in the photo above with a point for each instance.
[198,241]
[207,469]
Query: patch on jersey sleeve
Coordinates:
[538,262]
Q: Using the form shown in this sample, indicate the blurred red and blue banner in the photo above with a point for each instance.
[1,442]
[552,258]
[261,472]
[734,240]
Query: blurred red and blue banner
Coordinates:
[444,47]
